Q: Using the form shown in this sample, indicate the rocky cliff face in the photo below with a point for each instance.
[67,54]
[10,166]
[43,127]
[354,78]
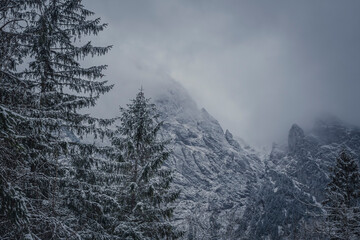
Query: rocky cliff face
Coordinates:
[215,173]
[296,138]
[296,175]
[229,193]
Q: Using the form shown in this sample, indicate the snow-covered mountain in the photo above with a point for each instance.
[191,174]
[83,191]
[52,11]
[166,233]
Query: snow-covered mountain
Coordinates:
[288,199]
[216,173]
[231,191]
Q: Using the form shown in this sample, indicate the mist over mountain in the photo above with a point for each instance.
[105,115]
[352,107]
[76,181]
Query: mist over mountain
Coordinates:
[232,191]
[257,67]
[214,172]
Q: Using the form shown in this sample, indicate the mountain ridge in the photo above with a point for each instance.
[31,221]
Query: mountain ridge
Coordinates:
[232,191]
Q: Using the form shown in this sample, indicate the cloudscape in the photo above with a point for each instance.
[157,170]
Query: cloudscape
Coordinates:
[257,66]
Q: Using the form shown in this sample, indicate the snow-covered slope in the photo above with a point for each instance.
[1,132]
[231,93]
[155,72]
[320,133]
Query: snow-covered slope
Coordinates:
[216,174]
[296,175]
[231,191]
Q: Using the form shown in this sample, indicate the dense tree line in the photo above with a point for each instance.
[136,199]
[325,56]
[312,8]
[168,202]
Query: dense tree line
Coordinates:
[52,184]
[342,204]
[340,211]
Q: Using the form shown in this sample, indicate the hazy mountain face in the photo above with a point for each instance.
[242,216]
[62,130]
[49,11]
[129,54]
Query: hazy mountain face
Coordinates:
[215,173]
[229,191]
[257,66]
[289,197]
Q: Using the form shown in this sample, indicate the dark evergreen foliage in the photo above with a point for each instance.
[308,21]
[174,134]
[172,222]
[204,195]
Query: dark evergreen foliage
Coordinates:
[50,186]
[146,194]
[342,199]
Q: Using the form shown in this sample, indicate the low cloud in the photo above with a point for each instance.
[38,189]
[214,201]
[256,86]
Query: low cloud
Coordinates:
[257,67]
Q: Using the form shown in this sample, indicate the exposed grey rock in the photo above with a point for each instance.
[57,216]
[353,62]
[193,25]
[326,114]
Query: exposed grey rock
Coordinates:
[216,176]
[231,141]
[291,192]
[295,138]
[228,192]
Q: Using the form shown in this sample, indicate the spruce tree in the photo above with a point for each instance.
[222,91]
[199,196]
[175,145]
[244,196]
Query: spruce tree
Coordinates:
[146,194]
[15,144]
[50,185]
[342,200]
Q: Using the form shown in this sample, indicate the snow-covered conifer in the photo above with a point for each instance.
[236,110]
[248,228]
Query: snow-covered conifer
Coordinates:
[342,200]
[146,194]
[51,186]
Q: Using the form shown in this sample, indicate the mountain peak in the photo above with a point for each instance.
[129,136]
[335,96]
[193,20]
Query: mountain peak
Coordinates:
[173,101]
[296,137]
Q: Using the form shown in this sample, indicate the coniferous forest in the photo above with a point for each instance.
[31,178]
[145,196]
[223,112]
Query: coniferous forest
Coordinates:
[160,169]
[54,187]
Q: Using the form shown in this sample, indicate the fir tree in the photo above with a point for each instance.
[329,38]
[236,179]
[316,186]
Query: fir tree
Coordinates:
[146,194]
[14,144]
[50,187]
[342,200]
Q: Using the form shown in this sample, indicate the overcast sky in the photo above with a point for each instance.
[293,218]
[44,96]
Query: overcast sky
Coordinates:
[256,66]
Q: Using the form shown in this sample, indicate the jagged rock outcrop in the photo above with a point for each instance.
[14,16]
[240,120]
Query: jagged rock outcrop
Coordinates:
[215,174]
[232,141]
[295,138]
[228,192]
[296,175]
